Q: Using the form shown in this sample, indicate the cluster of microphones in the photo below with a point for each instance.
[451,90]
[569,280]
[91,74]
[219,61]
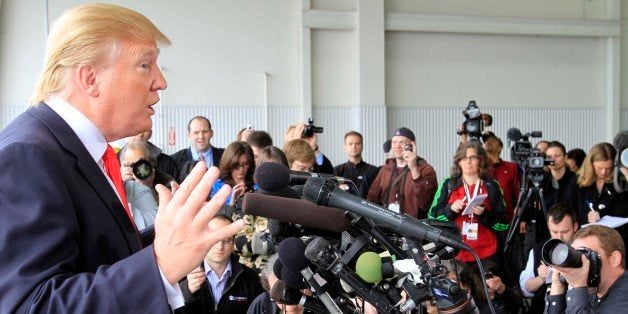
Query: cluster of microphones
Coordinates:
[343,248]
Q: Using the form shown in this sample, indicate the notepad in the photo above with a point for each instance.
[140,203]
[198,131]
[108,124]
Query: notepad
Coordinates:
[477,200]
[610,221]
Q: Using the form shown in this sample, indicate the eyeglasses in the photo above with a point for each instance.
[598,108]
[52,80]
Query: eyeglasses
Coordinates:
[470,158]
[242,165]
[226,241]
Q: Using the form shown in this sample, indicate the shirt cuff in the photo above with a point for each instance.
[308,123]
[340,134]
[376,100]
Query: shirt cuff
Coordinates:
[577,298]
[173,293]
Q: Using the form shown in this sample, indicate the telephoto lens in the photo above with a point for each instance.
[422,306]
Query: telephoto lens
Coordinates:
[142,169]
[555,252]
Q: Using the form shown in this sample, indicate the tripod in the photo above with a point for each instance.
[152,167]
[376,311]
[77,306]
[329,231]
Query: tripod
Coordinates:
[532,191]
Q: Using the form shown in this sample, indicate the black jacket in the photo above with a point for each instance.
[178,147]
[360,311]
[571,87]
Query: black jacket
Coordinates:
[241,289]
[184,157]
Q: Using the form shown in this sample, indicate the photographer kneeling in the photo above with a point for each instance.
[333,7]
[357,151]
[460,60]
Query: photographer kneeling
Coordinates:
[611,293]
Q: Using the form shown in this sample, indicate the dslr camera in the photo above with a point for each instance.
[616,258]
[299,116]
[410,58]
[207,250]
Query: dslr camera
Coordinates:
[142,169]
[555,252]
[310,129]
[475,121]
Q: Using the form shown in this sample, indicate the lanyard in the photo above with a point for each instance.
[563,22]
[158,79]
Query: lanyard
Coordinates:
[475,192]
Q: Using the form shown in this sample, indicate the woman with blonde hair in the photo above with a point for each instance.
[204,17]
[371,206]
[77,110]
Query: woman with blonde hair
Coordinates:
[591,193]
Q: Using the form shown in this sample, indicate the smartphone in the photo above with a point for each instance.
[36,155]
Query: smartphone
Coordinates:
[488,275]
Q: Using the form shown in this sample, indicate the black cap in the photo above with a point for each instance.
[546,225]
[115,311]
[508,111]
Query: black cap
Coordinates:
[405,132]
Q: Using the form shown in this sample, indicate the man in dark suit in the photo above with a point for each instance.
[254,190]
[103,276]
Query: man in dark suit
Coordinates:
[68,244]
[200,134]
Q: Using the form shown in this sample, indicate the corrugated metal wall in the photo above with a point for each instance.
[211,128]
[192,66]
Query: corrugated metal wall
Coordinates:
[435,128]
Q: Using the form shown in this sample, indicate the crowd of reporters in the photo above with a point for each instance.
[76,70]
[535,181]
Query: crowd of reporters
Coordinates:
[406,184]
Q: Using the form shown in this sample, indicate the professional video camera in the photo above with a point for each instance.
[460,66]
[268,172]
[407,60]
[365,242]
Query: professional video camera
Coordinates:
[310,129]
[528,158]
[474,122]
[555,252]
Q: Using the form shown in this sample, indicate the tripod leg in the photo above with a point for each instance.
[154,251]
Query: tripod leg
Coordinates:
[514,226]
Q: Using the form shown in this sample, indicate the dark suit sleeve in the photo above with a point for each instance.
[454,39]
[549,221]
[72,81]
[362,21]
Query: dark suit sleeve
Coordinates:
[45,265]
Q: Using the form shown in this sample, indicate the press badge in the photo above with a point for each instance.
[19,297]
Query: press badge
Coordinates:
[470,230]
[394,207]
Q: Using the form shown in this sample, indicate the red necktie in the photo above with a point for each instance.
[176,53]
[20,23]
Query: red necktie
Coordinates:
[112,167]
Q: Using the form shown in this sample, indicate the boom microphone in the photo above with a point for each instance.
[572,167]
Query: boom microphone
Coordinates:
[274,177]
[296,211]
[300,177]
[326,193]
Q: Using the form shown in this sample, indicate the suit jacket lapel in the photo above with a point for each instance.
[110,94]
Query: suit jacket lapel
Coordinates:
[89,169]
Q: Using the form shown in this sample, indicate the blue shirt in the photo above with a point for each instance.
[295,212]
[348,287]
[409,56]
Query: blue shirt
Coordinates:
[209,157]
[217,284]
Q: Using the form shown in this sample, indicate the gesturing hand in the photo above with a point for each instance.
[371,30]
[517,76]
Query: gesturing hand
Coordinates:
[182,234]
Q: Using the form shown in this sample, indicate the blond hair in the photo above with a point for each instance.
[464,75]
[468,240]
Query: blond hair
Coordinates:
[89,34]
[600,152]
[299,150]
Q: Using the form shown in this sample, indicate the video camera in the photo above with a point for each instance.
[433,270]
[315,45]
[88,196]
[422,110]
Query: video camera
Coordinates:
[528,158]
[555,252]
[310,129]
[475,121]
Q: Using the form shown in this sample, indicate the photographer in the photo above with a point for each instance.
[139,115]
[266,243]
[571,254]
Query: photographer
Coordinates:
[610,296]
[138,164]
[307,132]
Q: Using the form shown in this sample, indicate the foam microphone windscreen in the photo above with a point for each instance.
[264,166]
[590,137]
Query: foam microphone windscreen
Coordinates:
[262,244]
[291,254]
[286,193]
[314,248]
[369,267]
[292,279]
[242,244]
[276,291]
[277,267]
[300,212]
[272,176]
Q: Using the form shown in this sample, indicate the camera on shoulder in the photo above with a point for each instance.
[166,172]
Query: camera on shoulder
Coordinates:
[555,252]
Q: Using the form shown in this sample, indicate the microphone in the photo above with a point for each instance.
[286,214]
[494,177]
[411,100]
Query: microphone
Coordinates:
[274,177]
[292,255]
[300,177]
[243,245]
[290,296]
[262,243]
[514,134]
[277,267]
[369,267]
[321,253]
[296,211]
[326,193]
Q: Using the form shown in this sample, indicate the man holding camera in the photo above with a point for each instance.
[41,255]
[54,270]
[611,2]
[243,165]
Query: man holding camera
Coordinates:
[534,279]
[610,295]
[136,163]
[407,183]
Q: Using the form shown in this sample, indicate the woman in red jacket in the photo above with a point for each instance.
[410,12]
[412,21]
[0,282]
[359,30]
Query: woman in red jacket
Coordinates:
[479,221]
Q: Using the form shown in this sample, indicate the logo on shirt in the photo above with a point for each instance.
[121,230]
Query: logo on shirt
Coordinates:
[237,298]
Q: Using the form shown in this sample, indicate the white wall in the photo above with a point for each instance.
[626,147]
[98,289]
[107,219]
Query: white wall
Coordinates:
[362,76]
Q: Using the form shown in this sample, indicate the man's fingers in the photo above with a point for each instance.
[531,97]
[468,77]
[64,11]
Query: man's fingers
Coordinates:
[209,210]
[165,196]
[225,232]
[187,186]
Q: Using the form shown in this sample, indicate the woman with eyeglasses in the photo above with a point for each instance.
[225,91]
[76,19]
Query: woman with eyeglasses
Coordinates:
[479,220]
[237,166]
